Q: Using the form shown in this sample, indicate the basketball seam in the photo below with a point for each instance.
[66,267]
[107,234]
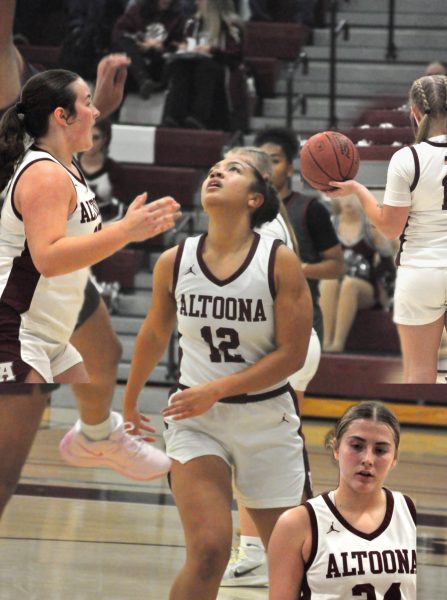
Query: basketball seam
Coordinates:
[317,164]
[336,155]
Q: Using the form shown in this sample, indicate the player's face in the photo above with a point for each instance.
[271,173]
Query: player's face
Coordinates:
[282,169]
[366,453]
[82,123]
[228,184]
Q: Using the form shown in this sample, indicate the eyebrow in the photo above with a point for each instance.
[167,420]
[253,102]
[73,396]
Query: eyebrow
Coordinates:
[360,439]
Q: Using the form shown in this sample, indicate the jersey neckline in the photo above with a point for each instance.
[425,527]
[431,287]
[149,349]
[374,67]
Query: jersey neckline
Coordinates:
[366,536]
[208,273]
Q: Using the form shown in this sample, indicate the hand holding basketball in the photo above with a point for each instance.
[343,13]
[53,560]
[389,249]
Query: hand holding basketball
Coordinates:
[328,156]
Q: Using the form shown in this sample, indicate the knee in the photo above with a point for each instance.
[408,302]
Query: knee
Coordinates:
[211,558]
[113,352]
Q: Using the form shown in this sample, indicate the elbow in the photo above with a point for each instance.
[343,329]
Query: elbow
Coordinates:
[46,268]
[391,233]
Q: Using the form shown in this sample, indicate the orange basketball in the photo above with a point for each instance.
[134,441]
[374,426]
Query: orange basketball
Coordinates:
[328,156]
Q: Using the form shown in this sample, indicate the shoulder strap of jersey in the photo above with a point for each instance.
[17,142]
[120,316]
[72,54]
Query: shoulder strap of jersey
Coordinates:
[417,168]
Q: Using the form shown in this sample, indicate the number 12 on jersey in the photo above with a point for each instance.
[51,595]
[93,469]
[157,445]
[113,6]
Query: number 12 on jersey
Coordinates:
[220,344]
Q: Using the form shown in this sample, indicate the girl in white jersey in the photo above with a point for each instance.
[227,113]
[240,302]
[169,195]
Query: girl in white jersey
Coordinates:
[358,540]
[244,318]
[47,220]
[415,208]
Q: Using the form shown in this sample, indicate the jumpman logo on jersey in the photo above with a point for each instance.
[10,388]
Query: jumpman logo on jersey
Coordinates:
[332,528]
[190,270]
[285,419]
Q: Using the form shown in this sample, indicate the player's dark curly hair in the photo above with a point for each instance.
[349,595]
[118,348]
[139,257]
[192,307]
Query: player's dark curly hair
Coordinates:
[29,117]
[270,207]
[286,139]
[372,410]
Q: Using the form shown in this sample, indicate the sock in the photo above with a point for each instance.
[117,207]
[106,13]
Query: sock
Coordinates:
[95,433]
[253,546]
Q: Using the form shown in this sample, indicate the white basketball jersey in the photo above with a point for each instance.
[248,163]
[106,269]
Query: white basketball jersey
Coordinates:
[49,306]
[346,563]
[417,177]
[227,325]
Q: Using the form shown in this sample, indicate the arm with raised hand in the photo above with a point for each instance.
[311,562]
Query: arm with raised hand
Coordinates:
[11,62]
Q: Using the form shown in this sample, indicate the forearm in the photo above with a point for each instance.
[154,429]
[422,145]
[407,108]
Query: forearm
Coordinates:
[8,8]
[330,268]
[149,348]
[370,207]
[69,254]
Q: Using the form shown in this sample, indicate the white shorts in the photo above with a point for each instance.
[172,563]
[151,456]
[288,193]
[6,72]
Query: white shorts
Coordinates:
[420,296]
[300,380]
[260,440]
[48,358]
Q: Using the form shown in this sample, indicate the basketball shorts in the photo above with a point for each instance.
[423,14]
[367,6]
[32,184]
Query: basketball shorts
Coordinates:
[48,358]
[300,380]
[92,299]
[259,440]
[420,295]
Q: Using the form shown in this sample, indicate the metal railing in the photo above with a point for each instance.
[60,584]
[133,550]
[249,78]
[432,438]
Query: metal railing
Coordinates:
[335,30]
[294,100]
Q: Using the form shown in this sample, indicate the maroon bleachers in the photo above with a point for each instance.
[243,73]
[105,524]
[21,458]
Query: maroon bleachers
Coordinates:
[380,135]
[376,152]
[374,117]
[373,330]
[265,72]
[274,40]
[158,181]
[185,147]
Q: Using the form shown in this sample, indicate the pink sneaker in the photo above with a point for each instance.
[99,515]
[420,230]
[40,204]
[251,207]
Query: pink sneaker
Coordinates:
[127,454]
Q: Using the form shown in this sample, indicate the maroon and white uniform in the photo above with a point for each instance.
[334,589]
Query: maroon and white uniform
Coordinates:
[38,314]
[346,563]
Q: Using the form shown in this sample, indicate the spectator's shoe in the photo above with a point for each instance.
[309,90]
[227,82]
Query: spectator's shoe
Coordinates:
[243,571]
[127,454]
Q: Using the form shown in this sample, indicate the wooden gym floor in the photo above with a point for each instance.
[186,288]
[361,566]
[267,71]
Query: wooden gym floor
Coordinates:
[89,534]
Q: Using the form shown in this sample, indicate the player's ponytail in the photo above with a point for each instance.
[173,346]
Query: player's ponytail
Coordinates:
[429,95]
[12,143]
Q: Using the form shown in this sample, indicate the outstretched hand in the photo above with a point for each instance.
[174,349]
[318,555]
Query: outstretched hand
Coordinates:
[342,188]
[111,76]
[143,221]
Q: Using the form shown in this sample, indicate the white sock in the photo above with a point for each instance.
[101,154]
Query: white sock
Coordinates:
[253,546]
[95,433]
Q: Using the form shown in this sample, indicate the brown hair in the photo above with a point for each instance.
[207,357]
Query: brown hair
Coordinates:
[371,410]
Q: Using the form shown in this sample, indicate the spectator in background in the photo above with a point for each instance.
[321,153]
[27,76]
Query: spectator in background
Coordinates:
[198,73]
[319,248]
[89,23]
[359,288]
[435,68]
[103,174]
[287,11]
[145,32]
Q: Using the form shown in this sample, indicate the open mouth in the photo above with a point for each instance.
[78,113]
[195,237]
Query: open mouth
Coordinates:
[213,184]
[365,474]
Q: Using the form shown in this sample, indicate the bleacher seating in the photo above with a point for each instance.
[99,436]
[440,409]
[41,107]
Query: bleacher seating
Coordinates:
[274,40]
[41,56]
[373,331]
[185,147]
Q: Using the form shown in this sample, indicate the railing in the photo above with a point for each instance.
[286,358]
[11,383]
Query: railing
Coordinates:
[295,100]
[391,53]
[335,30]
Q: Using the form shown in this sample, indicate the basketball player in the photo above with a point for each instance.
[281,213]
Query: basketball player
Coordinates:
[415,208]
[244,317]
[99,437]
[358,540]
[247,566]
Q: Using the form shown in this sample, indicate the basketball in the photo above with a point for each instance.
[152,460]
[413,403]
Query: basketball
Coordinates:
[328,156]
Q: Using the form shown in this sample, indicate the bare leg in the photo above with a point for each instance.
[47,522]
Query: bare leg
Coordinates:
[420,346]
[76,373]
[203,494]
[355,294]
[101,350]
[20,416]
[329,289]
[265,520]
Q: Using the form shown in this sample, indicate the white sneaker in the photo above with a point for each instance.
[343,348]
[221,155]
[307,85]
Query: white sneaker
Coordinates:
[127,454]
[244,571]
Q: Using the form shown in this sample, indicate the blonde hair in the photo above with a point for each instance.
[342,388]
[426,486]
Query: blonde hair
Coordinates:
[263,163]
[216,12]
[429,95]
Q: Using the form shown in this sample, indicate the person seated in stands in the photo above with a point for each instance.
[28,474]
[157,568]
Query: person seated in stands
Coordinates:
[198,74]
[103,175]
[87,40]
[146,31]
[359,288]
[284,11]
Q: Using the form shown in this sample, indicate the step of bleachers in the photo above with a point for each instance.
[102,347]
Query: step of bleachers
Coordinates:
[409,7]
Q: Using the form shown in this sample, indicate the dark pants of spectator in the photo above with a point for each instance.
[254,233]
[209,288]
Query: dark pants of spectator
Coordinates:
[197,89]
[298,11]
